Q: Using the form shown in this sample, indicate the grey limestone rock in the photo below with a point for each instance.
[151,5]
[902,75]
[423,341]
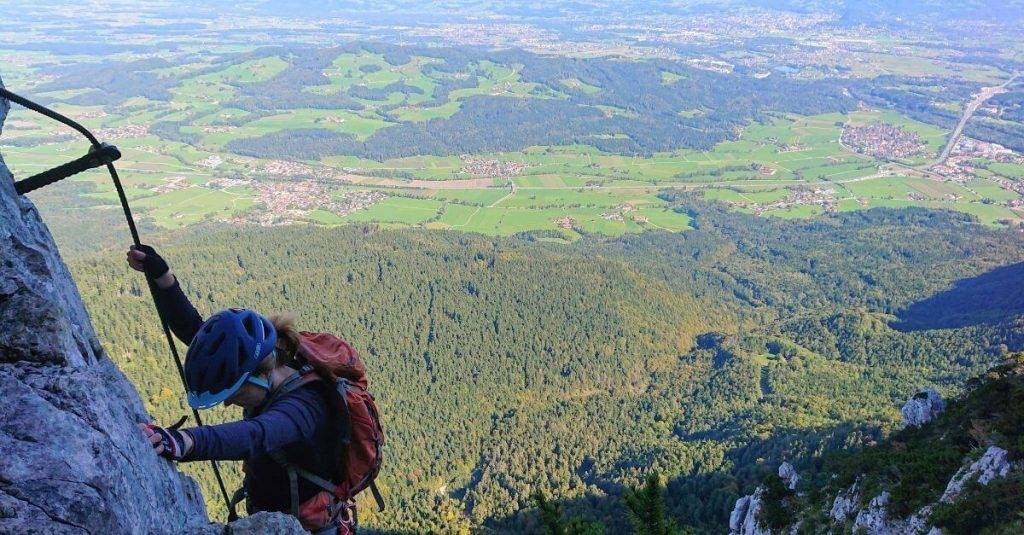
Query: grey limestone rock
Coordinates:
[993,464]
[845,504]
[743,519]
[73,460]
[789,475]
[872,519]
[922,408]
[265,524]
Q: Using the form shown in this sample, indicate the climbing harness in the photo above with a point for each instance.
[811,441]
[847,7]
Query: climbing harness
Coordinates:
[101,154]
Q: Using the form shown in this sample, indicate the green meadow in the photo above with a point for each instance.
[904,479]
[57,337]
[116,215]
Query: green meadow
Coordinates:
[576,186]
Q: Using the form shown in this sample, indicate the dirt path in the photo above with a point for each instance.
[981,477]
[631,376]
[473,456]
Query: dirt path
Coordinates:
[511,192]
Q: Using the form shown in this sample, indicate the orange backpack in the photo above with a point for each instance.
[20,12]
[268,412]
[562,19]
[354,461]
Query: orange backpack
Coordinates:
[329,358]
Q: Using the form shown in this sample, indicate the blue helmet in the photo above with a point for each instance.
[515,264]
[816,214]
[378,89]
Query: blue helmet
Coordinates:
[222,356]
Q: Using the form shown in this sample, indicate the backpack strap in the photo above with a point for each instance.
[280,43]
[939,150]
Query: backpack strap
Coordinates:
[304,474]
[377,497]
[305,375]
[293,486]
[294,473]
[341,387]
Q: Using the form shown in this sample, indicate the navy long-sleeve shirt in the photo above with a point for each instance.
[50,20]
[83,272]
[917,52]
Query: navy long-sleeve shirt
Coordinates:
[298,423]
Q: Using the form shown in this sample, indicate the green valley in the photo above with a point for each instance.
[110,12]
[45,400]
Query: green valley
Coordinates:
[369,132]
[612,267]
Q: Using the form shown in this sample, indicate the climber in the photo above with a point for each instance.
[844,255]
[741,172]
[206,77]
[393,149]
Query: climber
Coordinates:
[290,425]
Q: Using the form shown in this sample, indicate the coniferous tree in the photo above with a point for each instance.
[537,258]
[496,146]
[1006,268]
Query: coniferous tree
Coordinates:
[646,508]
[553,523]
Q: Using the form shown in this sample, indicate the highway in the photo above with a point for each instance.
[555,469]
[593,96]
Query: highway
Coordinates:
[983,95]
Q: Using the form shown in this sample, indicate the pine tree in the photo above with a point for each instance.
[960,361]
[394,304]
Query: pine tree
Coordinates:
[647,509]
[553,524]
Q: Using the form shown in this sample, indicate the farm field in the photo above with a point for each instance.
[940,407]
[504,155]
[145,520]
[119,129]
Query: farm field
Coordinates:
[783,165]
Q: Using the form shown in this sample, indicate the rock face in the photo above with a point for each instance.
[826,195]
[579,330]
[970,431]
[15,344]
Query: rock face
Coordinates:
[845,504]
[872,519]
[992,464]
[72,458]
[848,511]
[265,524]
[922,408]
[789,475]
[743,519]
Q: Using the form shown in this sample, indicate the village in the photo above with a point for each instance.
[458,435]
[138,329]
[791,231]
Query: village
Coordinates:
[622,212]
[882,141]
[280,202]
[482,167]
[619,213]
[824,197]
[784,147]
[965,158]
[284,203]
[295,169]
[122,132]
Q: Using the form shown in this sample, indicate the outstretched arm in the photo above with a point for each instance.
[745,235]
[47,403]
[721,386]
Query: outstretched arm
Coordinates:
[294,417]
[172,303]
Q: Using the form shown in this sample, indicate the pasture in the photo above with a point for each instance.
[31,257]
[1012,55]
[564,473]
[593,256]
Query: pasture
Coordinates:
[570,188]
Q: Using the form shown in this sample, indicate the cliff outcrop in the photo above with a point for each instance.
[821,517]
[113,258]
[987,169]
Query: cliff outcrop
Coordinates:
[955,467]
[922,408]
[72,458]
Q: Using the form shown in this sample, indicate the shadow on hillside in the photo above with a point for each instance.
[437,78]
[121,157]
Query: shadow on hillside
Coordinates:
[987,299]
[607,510]
[703,501]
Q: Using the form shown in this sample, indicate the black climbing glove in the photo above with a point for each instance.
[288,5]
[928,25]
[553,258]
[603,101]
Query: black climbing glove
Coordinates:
[154,265]
[172,441]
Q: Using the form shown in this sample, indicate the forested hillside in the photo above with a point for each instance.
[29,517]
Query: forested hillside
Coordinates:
[509,365]
[513,100]
[584,247]
[958,471]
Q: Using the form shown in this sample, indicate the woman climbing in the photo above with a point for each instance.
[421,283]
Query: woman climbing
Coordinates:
[301,456]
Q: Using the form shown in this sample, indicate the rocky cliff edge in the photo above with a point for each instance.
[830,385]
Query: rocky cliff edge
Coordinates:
[72,458]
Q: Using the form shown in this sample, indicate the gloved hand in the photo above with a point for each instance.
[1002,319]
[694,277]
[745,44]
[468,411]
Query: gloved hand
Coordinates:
[145,259]
[168,443]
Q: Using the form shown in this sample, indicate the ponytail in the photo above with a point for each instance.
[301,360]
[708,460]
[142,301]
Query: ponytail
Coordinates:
[287,346]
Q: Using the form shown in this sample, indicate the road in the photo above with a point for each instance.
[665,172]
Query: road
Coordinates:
[983,95]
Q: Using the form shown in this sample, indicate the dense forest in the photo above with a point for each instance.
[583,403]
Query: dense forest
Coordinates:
[556,115]
[507,366]
[600,107]
[612,119]
[913,466]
